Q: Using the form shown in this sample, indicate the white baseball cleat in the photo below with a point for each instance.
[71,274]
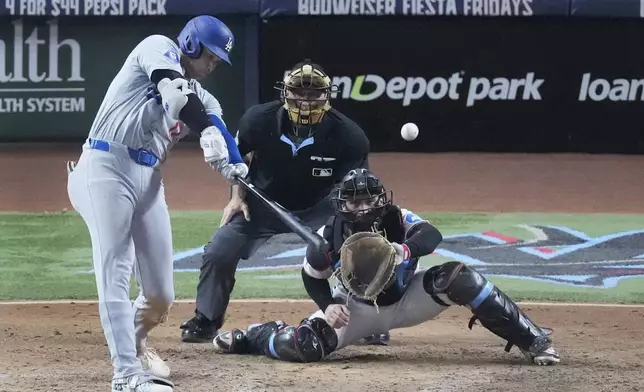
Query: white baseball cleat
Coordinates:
[153,364]
[546,356]
[141,383]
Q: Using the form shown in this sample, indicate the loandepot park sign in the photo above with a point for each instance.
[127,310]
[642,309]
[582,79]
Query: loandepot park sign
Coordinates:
[554,254]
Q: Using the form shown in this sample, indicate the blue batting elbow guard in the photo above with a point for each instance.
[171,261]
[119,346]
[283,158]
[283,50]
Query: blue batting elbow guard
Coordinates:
[234,156]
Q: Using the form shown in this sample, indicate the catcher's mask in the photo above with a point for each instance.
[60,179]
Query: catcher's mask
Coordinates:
[361,198]
[305,92]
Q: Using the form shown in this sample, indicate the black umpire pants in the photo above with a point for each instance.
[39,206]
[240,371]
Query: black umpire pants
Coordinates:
[240,239]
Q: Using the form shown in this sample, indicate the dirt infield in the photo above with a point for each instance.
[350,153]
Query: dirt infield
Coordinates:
[35,180]
[58,347]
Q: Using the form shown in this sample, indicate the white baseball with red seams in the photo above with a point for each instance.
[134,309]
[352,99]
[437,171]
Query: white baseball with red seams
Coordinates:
[409,131]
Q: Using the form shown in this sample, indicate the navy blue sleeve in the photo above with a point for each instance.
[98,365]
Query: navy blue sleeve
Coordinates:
[233,151]
[245,139]
[355,153]
[319,290]
[423,239]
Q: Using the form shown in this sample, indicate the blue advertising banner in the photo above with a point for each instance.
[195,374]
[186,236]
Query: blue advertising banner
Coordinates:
[126,7]
[416,7]
[270,8]
[608,8]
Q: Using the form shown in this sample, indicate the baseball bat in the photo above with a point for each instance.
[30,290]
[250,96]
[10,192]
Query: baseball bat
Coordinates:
[299,228]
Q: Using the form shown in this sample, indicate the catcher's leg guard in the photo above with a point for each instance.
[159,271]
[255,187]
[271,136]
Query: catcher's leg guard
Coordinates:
[310,341]
[495,310]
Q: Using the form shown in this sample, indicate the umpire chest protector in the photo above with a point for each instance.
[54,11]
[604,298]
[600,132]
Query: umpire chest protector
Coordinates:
[391,227]
[298,175]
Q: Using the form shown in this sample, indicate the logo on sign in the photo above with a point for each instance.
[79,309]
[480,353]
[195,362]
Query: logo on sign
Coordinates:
[38,84]
[407,90]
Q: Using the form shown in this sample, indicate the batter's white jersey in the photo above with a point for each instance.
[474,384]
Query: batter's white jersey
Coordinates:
[129,116]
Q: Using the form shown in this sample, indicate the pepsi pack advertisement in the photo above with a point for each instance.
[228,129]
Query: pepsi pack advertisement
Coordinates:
[266,9]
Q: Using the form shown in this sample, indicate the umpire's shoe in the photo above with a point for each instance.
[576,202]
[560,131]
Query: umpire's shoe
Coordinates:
[199,330]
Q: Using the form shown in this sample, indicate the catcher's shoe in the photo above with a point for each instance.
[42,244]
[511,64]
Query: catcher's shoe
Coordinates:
[141,383]
[247,341]
[153,364]
[378,339]
[198,330]
[233,341]
[542,353]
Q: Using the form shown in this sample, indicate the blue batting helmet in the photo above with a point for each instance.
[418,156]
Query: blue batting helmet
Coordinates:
[209,32]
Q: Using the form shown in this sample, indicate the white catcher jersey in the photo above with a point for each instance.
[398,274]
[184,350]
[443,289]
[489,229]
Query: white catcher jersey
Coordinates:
[410,219]
[128,116]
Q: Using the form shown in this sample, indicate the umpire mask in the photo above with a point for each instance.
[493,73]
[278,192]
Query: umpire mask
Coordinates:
[305,92]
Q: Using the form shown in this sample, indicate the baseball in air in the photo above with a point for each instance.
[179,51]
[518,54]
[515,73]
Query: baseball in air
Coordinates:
[409,131]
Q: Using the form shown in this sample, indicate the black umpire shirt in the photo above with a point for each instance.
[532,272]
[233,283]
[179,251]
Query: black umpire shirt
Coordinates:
[297,177]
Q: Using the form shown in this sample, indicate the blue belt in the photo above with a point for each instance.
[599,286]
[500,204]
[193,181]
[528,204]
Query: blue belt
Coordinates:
[140,156]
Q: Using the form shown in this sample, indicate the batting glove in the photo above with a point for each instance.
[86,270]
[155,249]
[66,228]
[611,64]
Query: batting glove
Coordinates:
[232,170]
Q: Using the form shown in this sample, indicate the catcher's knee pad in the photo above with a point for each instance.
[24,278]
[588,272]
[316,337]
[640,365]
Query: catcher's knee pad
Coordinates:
[495,310]
[310,341]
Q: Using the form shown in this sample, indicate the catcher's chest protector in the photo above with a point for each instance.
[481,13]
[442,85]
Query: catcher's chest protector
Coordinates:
[391,226]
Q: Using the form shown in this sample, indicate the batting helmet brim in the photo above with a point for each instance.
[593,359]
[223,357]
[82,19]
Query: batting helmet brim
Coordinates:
[217,51]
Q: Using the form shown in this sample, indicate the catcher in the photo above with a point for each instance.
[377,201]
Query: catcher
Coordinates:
[373,248]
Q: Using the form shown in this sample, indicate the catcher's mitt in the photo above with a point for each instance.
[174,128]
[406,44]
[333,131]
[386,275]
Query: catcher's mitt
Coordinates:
[368,262]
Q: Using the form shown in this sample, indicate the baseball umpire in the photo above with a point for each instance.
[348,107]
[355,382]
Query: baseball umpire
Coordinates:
[298,149]
[374,249]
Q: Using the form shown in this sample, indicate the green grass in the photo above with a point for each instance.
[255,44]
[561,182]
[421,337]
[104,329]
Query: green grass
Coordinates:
[43,256]
[264,284]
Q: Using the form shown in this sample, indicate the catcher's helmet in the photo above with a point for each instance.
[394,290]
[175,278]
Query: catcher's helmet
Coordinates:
[305,92]
[209,32]
[361,197]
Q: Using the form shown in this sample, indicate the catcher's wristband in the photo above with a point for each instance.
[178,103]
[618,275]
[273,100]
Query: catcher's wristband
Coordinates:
[406,253]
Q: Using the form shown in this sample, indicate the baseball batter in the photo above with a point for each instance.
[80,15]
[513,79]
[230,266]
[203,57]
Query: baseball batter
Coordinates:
[117,185]
[374,247]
